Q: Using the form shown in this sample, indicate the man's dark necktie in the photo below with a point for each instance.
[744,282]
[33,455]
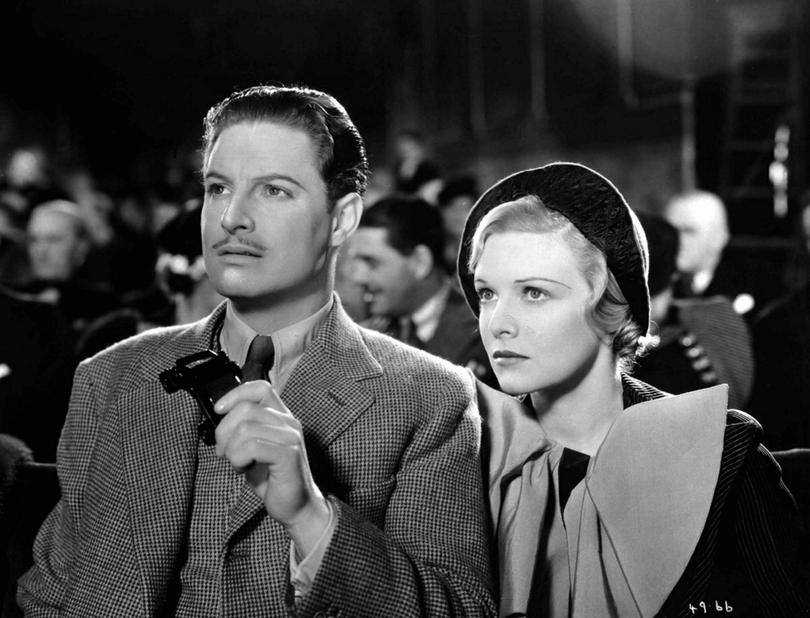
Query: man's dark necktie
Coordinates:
[260,357]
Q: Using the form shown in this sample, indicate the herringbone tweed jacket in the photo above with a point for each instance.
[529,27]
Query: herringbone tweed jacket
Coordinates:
[392,436]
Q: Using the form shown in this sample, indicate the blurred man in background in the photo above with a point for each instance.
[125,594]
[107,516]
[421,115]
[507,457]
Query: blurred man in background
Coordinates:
[706,266]
[398,258]
[455,201]
[414,172]
[58,245]
[702,341]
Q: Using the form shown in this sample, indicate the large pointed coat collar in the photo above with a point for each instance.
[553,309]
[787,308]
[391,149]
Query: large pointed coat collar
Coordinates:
[673,442]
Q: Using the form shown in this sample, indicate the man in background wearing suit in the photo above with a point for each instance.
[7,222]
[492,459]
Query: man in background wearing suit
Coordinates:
[344,474]
[398,259]
[706,262]
[36,366]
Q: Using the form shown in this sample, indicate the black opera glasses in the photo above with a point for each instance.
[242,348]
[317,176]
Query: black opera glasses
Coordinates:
[207,376]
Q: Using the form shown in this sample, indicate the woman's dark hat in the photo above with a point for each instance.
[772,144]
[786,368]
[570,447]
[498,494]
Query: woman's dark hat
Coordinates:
[595,207]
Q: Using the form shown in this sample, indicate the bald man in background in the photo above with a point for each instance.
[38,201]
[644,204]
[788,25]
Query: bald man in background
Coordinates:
[705,262]
[58,244]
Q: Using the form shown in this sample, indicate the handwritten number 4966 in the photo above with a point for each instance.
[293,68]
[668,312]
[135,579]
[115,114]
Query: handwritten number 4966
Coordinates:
[704,608]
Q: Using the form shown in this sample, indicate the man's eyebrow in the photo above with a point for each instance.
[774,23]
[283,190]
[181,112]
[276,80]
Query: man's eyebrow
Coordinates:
[214,174]
[272,177]
[258,179]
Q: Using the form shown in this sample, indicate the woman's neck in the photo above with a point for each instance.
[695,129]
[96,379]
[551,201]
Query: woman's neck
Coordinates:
[580,418]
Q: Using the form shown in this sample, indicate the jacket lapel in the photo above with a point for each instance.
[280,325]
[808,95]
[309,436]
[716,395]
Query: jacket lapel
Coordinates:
[456,329]
[325,393]
[159,444]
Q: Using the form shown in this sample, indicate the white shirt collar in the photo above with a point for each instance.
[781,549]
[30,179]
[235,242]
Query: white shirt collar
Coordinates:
[426,318]
[290,342]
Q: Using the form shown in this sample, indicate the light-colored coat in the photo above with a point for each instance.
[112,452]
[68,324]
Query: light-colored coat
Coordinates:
[679,505]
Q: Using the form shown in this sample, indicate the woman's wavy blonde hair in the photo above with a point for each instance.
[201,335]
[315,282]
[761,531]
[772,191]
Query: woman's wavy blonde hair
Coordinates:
[607,311]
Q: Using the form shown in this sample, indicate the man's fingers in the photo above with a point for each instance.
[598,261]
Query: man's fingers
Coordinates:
[273,400]
[255,391]
[260,443]
[245,416]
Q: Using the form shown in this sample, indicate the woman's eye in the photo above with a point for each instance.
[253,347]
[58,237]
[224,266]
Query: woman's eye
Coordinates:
[214,189]
[485,294]
[535,294]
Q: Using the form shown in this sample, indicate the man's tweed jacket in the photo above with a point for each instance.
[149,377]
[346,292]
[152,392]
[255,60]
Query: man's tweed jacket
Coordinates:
[392,437]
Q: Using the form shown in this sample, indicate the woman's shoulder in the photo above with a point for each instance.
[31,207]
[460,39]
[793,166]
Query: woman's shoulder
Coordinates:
[708,401]
[511,433]
[505,417]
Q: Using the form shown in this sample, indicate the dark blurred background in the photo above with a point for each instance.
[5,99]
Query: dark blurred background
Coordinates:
[654,93]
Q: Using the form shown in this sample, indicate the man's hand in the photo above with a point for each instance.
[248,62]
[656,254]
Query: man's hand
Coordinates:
[265,442]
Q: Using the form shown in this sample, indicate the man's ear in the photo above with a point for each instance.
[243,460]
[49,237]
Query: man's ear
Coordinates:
[345,218]
[421,261]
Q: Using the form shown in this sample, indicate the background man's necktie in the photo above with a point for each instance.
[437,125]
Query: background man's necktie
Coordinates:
[405,330]
[260,357]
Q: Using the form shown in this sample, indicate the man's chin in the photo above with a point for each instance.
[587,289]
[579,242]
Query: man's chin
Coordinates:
[239,292]
[379,308]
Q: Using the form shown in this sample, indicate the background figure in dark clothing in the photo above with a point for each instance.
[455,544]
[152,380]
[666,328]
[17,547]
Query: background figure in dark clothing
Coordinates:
[706,263]
[36,369]
[781,397]
[702,341]
[414,172]
[57,248]
[455,201]
[181,276]
[398,259]
[28,176]
[13,259]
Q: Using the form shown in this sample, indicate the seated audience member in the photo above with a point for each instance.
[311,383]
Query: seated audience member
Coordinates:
[119,258]
[13,254]
[36,369]
[398,259]
[342,476]
[57,247]
[608,497]
[29,176]
[180,273]
[414,172]
[701,341]
[705,263]
[797,264]
[455,201]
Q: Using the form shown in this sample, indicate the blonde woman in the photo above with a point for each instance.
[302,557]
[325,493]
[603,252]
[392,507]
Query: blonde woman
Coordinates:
[608,497]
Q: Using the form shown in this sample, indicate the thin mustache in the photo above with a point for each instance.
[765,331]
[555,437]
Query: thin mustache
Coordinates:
[244,242]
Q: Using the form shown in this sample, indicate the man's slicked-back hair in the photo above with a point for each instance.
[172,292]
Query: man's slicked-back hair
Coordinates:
[409,222]
[339,146]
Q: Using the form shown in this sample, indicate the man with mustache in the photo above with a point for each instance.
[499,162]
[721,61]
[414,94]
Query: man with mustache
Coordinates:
[343,477]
